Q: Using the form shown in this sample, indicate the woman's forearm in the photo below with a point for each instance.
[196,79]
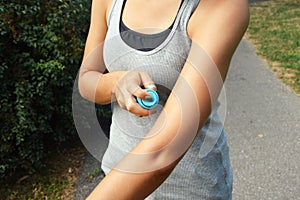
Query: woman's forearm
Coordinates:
[98,87]
[154,158]
[142,170]
[119,185]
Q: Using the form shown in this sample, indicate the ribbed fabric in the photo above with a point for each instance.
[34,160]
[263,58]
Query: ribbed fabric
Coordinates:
[195,177]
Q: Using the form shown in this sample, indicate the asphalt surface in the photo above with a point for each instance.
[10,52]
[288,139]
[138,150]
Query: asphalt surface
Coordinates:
[263,126]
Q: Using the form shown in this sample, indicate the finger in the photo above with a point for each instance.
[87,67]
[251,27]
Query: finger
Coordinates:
[136,109]
[142,94]
[147,80]
[151,86]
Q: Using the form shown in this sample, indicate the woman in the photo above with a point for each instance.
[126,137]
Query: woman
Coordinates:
[181,46]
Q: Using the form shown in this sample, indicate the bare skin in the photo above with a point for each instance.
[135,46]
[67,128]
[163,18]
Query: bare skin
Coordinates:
[216,26]
[144,15]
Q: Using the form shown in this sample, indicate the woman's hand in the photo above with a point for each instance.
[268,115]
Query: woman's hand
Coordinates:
[128,87]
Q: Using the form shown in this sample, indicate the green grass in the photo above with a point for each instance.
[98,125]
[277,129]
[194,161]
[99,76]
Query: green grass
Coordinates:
[275,30]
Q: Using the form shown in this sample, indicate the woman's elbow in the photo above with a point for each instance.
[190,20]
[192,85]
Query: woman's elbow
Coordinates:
[160,162]
[85,89]
[82,92]
[165,164]
[81,89]
[88,88]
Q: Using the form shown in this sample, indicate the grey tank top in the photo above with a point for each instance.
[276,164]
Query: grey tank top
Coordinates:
[164,63]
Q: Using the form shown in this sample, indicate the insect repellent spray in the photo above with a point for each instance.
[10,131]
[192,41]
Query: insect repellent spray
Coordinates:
[149,103]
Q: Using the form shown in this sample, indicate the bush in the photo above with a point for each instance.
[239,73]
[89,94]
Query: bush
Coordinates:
[41,50]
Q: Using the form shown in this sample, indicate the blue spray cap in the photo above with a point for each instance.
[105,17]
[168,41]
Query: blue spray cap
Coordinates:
[149,104]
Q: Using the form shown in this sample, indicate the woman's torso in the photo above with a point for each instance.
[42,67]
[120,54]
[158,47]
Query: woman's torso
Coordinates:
[163,63]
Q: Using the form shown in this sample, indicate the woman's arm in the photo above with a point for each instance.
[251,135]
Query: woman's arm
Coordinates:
[103,88]
[92,68]
[216,28]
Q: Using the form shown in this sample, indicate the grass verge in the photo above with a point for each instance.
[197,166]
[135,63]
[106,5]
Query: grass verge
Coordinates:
[275,31]
[56,182]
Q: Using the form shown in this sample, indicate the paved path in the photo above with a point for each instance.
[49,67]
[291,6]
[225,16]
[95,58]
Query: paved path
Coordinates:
[259,105]
[263,126]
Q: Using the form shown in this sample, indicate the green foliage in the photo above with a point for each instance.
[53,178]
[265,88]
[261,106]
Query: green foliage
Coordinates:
[41,45]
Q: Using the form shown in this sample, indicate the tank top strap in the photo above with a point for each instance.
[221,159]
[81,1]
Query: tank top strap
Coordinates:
[187,13]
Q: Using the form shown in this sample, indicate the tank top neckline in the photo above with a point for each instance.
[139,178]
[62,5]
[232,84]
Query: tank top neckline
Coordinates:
[163,44]
[146,34]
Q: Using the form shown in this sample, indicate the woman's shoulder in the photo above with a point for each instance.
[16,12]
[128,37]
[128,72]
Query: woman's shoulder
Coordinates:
[212,11]
[221,5]
[218,26]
